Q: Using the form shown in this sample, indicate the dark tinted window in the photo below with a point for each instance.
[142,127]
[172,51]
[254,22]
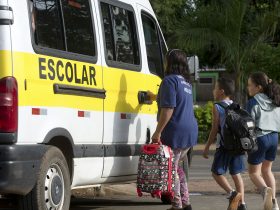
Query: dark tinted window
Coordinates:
[153,46]
[109,36]
[48,30]
[120,34]
[69,28]
[78,27]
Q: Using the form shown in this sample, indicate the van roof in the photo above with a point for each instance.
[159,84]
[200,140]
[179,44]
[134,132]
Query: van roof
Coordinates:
[144,3]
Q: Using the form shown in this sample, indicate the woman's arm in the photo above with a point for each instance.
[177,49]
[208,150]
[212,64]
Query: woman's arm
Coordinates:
[165,116]
[213,132]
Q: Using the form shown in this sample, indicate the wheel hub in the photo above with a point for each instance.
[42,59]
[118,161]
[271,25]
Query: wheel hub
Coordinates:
[54,188]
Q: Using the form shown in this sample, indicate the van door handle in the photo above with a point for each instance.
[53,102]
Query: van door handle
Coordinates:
[143,98]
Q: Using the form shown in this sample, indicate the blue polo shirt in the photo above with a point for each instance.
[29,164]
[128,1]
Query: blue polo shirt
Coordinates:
[182,130]
[222,117]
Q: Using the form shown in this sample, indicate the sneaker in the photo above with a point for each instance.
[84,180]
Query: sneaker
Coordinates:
[275,205]
[234,200]
[242,207]
[267,198]
[187,207]
[175,208]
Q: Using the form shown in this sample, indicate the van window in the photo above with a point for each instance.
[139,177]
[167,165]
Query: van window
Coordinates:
[154,46]
[47,32]
[78,27]
[120,34]
[64,25]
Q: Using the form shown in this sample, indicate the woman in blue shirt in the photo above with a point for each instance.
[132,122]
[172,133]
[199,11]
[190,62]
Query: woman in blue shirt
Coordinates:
[177,125]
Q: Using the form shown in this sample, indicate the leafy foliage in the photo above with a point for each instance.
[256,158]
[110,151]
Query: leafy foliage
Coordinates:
[266,59]
[169,13]
[232,27]
[221,32]
[203,115]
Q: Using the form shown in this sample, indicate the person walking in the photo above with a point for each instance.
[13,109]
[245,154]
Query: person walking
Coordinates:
[177,125]
[264,106]
[223,159]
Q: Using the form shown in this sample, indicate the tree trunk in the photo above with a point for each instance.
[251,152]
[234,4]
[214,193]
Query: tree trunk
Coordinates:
[237,86]
[240,92]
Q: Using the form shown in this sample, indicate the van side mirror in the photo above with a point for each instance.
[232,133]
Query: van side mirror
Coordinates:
[193,62]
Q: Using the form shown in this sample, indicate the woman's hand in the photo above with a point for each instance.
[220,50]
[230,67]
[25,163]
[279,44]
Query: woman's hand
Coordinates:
[151,96]
[156,138]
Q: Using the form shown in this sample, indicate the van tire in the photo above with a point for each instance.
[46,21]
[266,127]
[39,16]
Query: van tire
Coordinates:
[53,173]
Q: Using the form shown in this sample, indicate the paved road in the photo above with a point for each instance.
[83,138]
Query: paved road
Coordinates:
[200,168]
[199,202]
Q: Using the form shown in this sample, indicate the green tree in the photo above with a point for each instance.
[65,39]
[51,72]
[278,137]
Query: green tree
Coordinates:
[233,27]
[266,58]
[169,14]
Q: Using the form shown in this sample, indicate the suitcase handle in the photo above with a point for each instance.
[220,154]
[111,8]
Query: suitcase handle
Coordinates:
[150,148]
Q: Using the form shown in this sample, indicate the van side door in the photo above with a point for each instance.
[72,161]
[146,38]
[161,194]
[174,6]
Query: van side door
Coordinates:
[124,118]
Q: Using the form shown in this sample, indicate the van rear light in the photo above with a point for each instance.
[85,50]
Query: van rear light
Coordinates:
[8,105]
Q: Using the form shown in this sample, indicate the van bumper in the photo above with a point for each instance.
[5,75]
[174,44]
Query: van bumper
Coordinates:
[19,166]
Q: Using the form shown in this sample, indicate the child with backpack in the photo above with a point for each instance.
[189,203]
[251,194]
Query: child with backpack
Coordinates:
[223,159]
[264,107]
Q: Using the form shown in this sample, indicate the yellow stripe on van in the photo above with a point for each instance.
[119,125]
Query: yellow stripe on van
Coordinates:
[123,87]
[37,74]
[6,67]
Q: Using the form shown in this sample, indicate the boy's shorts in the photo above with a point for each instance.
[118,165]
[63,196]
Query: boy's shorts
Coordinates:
[223,161]
[267,149]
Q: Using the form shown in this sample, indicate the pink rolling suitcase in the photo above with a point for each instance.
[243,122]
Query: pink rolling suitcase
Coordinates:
[156,171]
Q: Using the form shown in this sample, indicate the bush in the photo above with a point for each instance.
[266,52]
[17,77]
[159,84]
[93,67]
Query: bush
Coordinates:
[203,115]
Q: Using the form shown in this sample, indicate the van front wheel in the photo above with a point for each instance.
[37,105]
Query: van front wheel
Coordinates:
[52,190]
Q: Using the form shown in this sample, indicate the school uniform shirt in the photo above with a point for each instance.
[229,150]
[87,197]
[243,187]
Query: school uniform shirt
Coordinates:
[182,130]
[222,120]
[265,114]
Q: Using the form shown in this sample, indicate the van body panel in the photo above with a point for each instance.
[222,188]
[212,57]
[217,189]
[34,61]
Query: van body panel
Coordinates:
[88,171]
[21,30]
[93,102]
[36,91]
[84,130]
[6,65]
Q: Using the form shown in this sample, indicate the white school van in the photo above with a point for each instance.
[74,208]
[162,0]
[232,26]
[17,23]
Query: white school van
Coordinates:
[71,73]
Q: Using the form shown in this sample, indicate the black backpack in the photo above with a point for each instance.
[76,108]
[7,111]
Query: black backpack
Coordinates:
[239,130]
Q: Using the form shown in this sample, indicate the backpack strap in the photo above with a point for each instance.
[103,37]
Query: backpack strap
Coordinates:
[225,106]
[222,104]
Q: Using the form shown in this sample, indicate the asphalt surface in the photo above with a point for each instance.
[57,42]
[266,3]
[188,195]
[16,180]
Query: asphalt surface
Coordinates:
[201,168]
[199,202]
[201,197]
[211,201]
